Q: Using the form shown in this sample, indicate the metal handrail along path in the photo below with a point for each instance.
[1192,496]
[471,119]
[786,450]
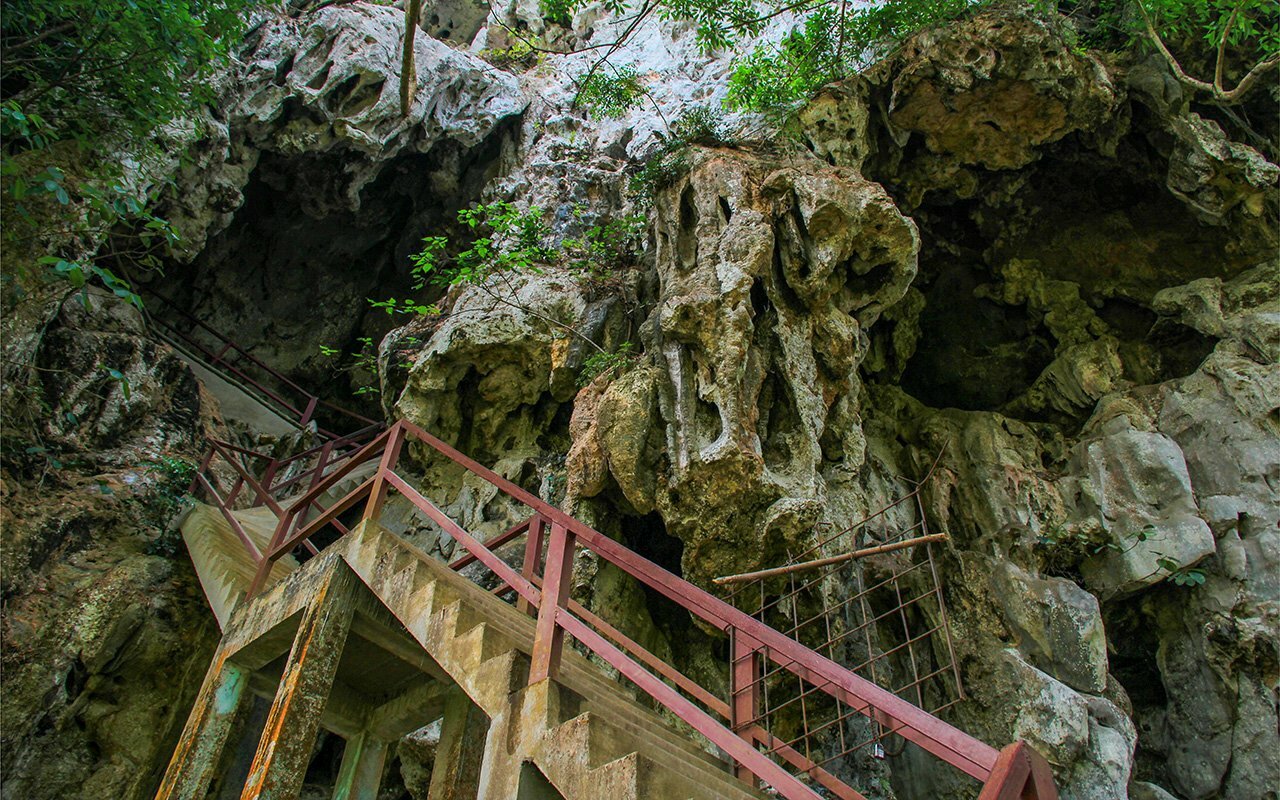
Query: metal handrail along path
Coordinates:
[541,587]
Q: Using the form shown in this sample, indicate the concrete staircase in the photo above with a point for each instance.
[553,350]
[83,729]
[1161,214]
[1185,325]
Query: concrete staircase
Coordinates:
[583,731]
[586,734]
[221,563]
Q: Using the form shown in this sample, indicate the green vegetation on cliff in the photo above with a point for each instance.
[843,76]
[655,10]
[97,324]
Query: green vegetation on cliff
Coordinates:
[1219,49]
[81,85]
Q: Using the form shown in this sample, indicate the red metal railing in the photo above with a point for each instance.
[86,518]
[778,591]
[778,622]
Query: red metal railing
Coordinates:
[233,362]
[281,478]
[869,598]
[541,584]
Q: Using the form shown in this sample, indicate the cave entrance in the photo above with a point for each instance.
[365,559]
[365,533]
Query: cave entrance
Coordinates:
[1069,251]
[290,276]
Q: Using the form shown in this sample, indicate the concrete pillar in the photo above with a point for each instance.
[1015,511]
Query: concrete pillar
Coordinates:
[361,771]
[456,772]
[199,751]
[284,751]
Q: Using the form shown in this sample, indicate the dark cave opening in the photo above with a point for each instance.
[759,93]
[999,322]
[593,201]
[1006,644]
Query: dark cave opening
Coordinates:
[647,536]
[1107,226]
[973,354]
[295,268]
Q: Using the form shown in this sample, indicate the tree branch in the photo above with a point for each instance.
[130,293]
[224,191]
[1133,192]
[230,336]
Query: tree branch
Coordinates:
[408,74]
[40,37]
[1220,95]
[1221,64]
[1246,83]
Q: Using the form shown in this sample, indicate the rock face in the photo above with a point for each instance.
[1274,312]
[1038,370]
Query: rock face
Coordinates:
[1070,314]
[993,246]
[309,151]
[106,632]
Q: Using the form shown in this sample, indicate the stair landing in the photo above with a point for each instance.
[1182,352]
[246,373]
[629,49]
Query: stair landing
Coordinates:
[420,633]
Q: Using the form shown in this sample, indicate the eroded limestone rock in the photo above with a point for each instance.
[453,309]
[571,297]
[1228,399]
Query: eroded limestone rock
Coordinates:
[323,83]
[769,276]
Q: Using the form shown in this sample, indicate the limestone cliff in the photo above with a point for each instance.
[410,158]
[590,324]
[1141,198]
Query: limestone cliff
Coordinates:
[1046,265]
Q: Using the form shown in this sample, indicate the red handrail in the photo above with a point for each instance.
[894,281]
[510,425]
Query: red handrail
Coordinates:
[1013,772]
[300,411]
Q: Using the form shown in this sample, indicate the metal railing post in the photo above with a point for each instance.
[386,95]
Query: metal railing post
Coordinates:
[744,694]
[532,557]
[391,455]
[549,640]
[310,410]
[203,469]
[1020,773]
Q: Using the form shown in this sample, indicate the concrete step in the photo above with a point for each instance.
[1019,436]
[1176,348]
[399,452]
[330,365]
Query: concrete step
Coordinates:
[484,628]
[225,569]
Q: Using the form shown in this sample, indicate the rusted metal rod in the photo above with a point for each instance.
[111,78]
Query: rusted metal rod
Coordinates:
[826,562]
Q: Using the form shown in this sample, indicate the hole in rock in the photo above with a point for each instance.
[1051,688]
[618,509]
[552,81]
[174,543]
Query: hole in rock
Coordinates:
[293,268]
[687,230]
[778,421]
[282,71]
[647,536]
[759,299]
[321,77]
[706,420]
[1117,232]
[1182,349]
[973,354]
[1128,319]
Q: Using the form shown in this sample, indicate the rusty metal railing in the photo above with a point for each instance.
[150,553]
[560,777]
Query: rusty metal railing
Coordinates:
[869,598]
[219,353]
[539,584]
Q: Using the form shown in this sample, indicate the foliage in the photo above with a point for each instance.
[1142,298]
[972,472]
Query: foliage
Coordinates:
[604,247]
[1189,577]
[1065,547]
[362,363]
[515,242]
[832,38]
[81,80]
[512,242]
[699,125]
[521,53]
[169,479]
[88,69]
[1249,30]
[609,365]
[830,43]
[404,305]
[606,95]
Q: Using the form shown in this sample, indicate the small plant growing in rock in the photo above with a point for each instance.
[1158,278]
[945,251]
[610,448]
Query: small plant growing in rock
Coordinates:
[169,479]
[360,363]
[1189,577]
[515,242]
[521,55]
[605,246]
[1065,547]
[609,365]
[404,305]
[697,126]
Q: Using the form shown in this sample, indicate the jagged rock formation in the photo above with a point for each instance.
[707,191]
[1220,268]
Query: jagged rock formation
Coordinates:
[105,632]
[1067,292]
[309,152]
[993,245]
